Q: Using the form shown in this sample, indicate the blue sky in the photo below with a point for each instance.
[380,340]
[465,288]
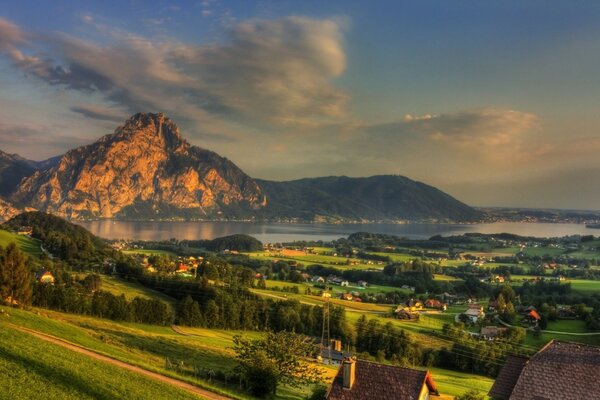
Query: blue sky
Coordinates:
[495,102]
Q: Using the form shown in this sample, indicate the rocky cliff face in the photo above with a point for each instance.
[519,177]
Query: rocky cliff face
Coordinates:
[144,170]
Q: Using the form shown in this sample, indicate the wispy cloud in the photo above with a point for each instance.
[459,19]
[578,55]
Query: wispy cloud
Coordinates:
[274,72]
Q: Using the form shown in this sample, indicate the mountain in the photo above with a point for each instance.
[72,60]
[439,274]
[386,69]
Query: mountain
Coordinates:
[144,170]
[385,197]
[13,169]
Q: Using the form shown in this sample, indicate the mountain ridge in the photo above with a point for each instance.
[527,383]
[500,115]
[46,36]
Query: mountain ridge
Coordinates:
[147,170]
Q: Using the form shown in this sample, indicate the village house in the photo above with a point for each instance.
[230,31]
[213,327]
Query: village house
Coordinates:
[360,380]
[436,304]
[45,276]
[492,332]
[559,371]
[317,279]
[335,280]
[531,319]
[403,312]
[473,313]
[346,296]
[363,284]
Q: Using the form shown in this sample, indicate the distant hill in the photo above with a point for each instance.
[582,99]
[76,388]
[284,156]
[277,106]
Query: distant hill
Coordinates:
[147,170]
[13,169]
[385,197]
[61,238]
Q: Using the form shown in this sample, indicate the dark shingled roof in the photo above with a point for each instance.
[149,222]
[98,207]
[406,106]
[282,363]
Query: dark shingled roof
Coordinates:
[377,381]
[507,379]
[559,371]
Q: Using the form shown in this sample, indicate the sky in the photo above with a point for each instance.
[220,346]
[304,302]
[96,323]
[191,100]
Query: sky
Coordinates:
[495,102]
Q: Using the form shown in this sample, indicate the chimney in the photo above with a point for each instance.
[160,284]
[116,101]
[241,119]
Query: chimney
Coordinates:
[349,372]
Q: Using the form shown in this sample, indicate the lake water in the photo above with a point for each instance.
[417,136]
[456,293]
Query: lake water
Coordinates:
[279,232]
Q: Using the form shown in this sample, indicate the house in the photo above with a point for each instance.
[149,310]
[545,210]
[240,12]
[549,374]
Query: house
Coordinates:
[45,276]
[492,305]
[473,313]
[359,380]
[560,370]
[434,303]
[25,230]
[363,284]
[532,318]
[403,312]
[492,332]
[347,296]
[414,305]
[317,279]
[326,295]
[332,356]
[337,281]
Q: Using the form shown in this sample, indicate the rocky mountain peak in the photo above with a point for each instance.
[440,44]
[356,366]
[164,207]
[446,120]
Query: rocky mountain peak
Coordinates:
[153,130]
[144,169]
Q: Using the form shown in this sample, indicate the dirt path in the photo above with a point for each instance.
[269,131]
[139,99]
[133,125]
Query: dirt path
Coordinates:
[205,394]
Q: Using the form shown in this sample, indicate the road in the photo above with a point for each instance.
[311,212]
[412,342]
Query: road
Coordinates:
[205,394]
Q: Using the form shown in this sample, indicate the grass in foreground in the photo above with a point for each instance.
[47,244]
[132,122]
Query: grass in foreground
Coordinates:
[31,367]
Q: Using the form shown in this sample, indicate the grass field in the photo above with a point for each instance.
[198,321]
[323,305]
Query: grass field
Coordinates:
[148,252]
[584,286]
[25,243]
[146,346]
[32,368]
[131,289]
[455,383]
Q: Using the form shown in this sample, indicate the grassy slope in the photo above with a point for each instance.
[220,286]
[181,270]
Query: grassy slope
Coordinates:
[26,244]
[30,366]
[131,289]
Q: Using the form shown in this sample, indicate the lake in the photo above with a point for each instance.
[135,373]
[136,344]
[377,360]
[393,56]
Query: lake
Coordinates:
[280,232]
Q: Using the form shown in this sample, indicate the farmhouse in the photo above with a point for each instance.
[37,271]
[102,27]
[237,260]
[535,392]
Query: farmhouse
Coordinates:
[45,276]
[491,332]
[357,379]
[434,303]
[25,231]
[560,370]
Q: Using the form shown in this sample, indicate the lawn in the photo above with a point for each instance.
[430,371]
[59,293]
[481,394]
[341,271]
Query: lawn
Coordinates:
[455,383]
[32,368]
[584,286]
[147,346]
[131,290]
[25,243]
[149,252]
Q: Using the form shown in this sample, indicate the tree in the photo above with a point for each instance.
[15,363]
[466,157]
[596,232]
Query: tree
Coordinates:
[470,395]
[275,359]
[15,279]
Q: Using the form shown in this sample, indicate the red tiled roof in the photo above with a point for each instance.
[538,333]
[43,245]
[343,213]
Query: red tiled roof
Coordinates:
[534,314]
[378,381]
[560,371]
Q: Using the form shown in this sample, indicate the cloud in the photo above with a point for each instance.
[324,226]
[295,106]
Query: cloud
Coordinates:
[489,132]
[14,137]
[269,73]
[100,113]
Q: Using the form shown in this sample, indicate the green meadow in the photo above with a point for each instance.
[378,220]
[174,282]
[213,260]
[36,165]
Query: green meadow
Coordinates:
[25,243]
[32,368]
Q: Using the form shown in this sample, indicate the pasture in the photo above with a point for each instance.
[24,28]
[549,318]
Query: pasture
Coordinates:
[25,243]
